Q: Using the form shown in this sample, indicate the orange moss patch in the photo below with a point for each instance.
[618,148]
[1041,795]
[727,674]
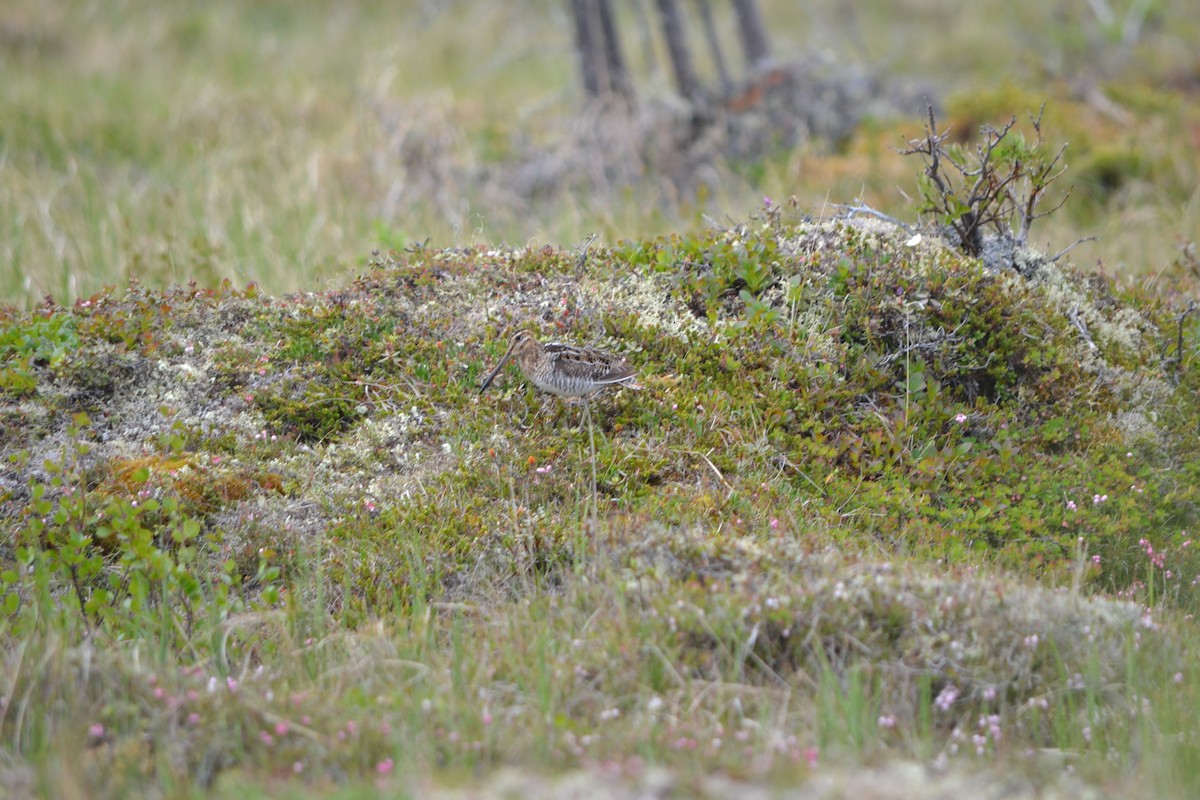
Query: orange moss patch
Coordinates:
[204,488]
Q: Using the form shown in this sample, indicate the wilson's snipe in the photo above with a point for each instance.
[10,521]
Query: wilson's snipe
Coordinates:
[562,369]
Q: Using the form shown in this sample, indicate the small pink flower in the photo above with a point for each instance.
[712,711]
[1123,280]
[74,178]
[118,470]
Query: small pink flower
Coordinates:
[946,697]
[281,728]
[266,738]
[385,767]
[774,524]
[193,718]
[811,755]
[96,731]
[960,418]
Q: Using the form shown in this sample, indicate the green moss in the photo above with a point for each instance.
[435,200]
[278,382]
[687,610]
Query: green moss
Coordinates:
[310,411]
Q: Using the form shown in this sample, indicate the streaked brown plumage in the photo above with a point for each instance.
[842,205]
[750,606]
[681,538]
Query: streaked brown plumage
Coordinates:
[562,369]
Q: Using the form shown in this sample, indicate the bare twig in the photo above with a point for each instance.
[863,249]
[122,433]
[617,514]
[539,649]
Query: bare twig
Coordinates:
[864,209]
[1080,325]
[935,340]
[1070,247]
[716,471]
[1177,360]
[583,252]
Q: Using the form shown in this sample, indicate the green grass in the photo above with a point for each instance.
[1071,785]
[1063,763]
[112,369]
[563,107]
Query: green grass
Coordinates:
[281,143]
[876,516]
[592,673]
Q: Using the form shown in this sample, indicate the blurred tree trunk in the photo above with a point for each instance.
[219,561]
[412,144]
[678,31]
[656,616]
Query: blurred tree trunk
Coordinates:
[677,47]
[587,44]
[753,33]
[714,44]
[614,60]
[601,63]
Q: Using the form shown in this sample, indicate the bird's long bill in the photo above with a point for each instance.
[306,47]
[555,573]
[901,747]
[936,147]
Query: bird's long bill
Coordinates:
[496,371]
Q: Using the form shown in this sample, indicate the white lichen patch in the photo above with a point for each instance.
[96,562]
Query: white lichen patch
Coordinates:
[1125,329]
[648,297]
[922,252]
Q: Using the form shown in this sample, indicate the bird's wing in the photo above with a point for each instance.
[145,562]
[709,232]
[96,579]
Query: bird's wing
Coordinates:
[594,365]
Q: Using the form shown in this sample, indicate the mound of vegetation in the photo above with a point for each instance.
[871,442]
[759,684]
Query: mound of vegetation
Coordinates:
[235,525]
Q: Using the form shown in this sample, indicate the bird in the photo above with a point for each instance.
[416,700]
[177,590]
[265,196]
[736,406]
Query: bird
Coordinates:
[567,371]
[563,369]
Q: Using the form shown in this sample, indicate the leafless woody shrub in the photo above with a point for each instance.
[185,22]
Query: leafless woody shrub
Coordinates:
[995,188]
